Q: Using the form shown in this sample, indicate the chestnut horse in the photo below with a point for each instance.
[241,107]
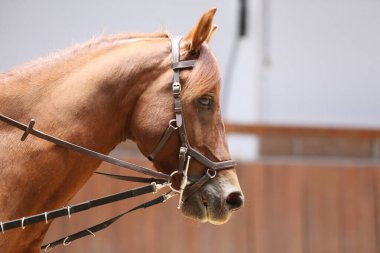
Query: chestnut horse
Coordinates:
[97,95]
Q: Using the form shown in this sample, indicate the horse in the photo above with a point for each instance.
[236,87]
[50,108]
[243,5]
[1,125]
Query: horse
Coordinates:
[97,95]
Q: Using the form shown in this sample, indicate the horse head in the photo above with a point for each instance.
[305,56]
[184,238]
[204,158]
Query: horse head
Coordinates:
[218,196]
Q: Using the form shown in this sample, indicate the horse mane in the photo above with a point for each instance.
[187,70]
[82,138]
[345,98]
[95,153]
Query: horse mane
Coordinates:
[204,77]
[96,43]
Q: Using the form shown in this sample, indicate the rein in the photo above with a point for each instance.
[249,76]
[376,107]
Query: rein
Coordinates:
[157,181]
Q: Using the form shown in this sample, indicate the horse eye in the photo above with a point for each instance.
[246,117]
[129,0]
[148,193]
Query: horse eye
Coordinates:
[205,101]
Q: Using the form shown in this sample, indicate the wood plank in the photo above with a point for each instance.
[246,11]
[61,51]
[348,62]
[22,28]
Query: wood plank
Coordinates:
[376,178]
[357,217]
[302,131]
[280,227]
[290,207]
[320,210]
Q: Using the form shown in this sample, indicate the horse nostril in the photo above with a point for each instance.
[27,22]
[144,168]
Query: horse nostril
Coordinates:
[235,200]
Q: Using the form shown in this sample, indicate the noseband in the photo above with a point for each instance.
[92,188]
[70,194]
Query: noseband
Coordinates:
[186,152]
[158,180]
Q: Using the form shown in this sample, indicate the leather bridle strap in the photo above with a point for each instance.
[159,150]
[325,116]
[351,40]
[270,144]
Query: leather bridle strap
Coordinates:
[228,164]
[159,180]
[131,178]
[176,89]
[165,137]
[69,210]
[199,183]
[30,130]
[186,152]
[103,225]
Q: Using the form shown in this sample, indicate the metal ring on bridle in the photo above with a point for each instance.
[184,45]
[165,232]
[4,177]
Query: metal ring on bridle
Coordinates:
[46,218]
[211,173]
[175,127]
[170,182]
[2,227]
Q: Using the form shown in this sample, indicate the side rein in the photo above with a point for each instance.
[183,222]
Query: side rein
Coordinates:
[157,181]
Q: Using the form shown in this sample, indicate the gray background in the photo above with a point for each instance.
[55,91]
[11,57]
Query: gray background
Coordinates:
[303,62]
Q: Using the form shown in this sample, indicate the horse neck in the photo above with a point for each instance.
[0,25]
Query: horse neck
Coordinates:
[87,101]
[88,95]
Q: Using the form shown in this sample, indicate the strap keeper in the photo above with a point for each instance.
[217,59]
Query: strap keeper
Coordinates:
[48,248]
[28,129]
[65,242]
[182,159]
[177,106]
[183,64]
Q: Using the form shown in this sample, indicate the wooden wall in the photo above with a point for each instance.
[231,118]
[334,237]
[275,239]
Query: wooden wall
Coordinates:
[290,207]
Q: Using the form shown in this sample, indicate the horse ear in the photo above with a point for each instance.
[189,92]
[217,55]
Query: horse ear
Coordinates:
[202,31]
[213,29]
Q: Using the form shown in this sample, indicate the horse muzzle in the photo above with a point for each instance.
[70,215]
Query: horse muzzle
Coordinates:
[214,202]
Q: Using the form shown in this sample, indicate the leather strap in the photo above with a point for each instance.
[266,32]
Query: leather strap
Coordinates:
[165,137]
[103,225]
[208,163]
[69,210]
[131,179]
[199,183]
[182,159]
[183,64]
[186,152]
[82,150]
[177,65]
[176,87]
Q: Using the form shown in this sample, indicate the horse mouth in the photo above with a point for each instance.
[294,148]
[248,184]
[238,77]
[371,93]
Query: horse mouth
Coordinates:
[203,210]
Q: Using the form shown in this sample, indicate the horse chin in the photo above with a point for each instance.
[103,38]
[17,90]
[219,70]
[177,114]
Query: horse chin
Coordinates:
[212,212]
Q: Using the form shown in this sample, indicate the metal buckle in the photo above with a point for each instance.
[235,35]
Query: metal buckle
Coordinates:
[169,195]
[160,186]
[176,88]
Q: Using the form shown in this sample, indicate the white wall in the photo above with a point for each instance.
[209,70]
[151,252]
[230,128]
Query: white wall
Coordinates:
[31,29]
[308,63]
[302,62]
[324,63]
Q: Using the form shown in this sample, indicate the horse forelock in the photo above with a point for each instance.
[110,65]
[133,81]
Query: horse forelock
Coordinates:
[205,76]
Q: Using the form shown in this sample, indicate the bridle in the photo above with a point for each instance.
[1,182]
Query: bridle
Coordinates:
[186,152]
[159,180]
